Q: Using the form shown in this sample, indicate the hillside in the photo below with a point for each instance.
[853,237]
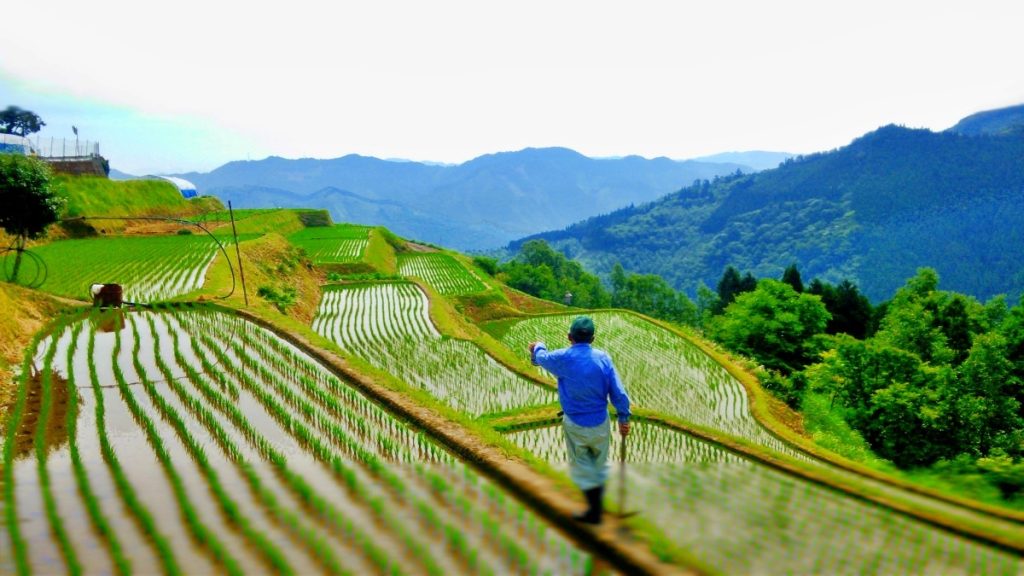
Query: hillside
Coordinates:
[386,419]
[874,211]
[993,122]
[482,203]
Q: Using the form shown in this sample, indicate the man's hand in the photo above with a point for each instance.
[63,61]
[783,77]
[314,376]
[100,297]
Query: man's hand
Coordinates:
[624,428]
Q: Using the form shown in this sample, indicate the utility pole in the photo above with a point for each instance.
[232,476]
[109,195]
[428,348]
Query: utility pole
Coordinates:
[238,254]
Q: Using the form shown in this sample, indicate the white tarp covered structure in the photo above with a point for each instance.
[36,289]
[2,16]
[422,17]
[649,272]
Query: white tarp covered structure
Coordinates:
[11,143]
[187,189]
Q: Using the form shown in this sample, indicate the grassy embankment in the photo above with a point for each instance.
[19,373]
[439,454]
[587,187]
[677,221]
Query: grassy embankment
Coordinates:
[95,196]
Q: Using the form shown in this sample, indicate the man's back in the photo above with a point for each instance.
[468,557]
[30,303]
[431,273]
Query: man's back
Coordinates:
[586,380]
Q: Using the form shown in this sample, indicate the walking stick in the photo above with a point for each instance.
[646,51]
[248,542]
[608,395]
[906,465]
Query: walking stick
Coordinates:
[622,481]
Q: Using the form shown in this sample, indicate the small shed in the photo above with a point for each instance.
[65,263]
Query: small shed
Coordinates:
[187,189]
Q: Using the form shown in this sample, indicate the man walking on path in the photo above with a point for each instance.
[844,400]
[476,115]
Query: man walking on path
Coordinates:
[586,381]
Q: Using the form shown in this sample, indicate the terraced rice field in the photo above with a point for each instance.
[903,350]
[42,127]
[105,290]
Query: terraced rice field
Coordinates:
[389,326]
[661,371]
[444,273]
[194,442]
[741,517]
[337,244]
[149,268]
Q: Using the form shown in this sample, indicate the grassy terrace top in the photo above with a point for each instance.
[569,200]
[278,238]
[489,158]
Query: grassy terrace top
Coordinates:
[94,196]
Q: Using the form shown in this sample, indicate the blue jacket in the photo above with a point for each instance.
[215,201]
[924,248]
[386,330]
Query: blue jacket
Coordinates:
[586,380]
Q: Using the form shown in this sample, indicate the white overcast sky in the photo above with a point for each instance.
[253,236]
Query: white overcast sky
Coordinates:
[189,85]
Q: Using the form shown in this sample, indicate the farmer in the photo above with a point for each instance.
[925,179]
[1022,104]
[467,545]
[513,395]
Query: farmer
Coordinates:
[586,381]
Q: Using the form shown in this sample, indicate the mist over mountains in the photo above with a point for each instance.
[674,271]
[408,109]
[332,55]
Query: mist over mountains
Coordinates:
[483,203]
[874,211]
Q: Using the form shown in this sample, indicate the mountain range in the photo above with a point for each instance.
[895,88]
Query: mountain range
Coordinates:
[483,203]
[874,211]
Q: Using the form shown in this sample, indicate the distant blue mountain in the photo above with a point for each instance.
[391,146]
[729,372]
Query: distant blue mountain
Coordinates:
[872,212]
[993,122]
[755,159]
[483,203]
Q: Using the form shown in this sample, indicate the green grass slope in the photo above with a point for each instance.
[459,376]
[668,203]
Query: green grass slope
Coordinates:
[94,196]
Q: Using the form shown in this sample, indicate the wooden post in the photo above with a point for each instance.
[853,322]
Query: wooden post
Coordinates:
[238,254]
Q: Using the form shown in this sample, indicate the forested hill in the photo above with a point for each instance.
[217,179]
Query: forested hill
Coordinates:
[995,122]
[482,203]
[873,212]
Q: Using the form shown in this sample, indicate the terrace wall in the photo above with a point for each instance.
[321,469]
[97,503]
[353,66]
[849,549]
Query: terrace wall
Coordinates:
[92,166]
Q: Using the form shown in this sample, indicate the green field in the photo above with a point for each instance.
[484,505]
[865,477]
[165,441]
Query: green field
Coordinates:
[661,371]
[441,271]
[389,325]
[745,518]
[194,442]
[338,244]
[149,268]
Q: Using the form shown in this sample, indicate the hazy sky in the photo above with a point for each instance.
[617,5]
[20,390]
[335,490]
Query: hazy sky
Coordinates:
[176,86]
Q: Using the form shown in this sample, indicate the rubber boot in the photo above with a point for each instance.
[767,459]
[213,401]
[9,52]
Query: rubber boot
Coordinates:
[595,503]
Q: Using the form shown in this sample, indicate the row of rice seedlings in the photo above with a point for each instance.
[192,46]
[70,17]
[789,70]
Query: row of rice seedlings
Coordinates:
[441,271]
[318,546]
[288,367]
[358,317]
[742,517]
[199,531]
[14,418]
[310,414]
[364,418]
[660,371]
[314,543]
[382,323]
[271,552]
[53,517]
[99,521]
[142,516]
[302,488]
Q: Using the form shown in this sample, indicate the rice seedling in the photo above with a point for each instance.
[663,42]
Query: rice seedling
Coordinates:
[99,521]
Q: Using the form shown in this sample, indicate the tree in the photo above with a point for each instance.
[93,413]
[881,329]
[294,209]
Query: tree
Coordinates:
[651,295]
[14,120]
[29,199]
[983,399]
[546,273]
[732,285]
[851,311]
[910,322]
[772,324]
[792,277]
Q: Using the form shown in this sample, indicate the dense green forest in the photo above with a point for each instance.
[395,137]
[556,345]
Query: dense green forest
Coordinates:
[930,381]
[872,212]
